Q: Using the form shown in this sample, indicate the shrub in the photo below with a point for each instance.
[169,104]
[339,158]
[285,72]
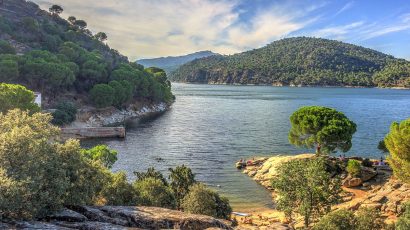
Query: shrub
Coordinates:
[119,192]
[8,70]
[6,48]
[122,92]
[306,188]
[102,154]
[151,173]
[65,113]
[403,223]
[202,200]
[337,220]
[102,95]
[397,142]
[353,167]
[367,163]
[368,219]
[181,179]
[16,96]
[153,192]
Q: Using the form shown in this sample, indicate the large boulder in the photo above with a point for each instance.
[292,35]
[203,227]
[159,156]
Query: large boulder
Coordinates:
[350,182]
[367,173]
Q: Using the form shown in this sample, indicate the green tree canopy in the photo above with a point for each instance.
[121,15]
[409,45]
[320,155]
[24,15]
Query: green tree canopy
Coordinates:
[398,143]
[323,127]
[56,9]
[151,173]
[101,36]
[202,200]
[181,179]
[6,48]
[16,96]
[101,153]
[153,192]
[102,95]
[306,188]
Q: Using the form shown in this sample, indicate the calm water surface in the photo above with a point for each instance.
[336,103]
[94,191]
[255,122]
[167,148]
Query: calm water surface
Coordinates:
[211,126]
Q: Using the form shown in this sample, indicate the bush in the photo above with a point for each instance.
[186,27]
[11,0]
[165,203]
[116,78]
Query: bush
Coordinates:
[353,167]
[119,192]
[6,48]
[306,188]
[367,163]
[153,192]
[65,113]
[151,173]
[8,70]
[16,96]
[397,142]
[102,95]
[368,219]
[101,153]
[202,200]
[38,175]
[122,92]
[337,220]
[181,179]
[403,223]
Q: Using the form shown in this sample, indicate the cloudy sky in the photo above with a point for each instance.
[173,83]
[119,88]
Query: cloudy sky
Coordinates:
[153,28]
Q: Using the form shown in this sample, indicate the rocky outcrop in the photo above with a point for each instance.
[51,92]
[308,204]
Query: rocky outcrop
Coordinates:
[366,174]
[119,218]
[267,170]
[91,117]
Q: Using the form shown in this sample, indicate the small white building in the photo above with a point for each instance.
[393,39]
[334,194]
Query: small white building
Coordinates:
[37,98]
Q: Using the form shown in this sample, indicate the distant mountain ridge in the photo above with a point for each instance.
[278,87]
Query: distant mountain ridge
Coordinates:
[171,63]
[300,61]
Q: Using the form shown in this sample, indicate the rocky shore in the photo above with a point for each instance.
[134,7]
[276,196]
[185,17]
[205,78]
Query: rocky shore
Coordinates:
[120,218]
[375,188]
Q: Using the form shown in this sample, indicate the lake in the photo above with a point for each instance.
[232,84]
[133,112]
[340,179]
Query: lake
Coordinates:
[210,127]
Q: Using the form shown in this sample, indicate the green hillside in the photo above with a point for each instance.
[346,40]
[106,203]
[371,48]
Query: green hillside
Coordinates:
[300,61]
[64,60]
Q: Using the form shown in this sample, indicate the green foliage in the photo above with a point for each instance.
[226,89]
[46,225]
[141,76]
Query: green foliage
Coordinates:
[382,146]
[365,219]
[324,127]
[81,24]
[341,219]
[304,187]
[353,167]
[9,70]
[101,36]
[56,9]
[202,200]
[6,48]
[101,153]
[368,219]
[16,96]
[292,61]
[398,143]
[153,192]
[119,192]
[65,113]
[123,91]
[403,222]
[395,73]
[181,179]
[72,19]
[151,173]
[102,95]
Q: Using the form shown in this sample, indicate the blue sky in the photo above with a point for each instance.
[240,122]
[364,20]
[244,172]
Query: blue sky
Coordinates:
[152,28]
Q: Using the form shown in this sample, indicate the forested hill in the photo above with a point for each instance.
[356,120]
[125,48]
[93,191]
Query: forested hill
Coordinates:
[170,64]
[64,60]
[300,61]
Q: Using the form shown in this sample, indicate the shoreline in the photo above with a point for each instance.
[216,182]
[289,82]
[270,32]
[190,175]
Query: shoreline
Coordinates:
[295,86]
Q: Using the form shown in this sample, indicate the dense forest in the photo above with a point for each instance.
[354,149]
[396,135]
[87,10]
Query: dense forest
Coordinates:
[63,59]
[300,61]
[170,64]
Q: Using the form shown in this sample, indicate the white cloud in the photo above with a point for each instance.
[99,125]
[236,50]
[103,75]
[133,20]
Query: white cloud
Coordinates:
[338,32]
[174,27]
[345,7]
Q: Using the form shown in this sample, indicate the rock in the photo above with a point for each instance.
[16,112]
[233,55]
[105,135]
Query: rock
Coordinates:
[376,206]
[68,215]
[367,173]
[351,182]
[93,225]
[378,199]
[26,225]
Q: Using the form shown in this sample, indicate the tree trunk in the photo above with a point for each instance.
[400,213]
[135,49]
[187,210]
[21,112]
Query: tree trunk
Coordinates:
[318,149]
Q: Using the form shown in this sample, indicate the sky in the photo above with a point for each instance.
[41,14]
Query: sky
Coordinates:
[156,28]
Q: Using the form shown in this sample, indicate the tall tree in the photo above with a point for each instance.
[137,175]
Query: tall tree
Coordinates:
[72,19]
[398,143]
[181,179]
[325,128]
[101,36]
